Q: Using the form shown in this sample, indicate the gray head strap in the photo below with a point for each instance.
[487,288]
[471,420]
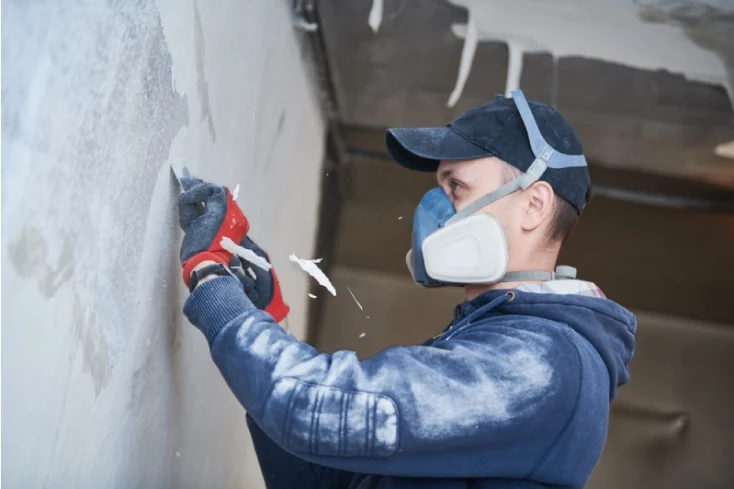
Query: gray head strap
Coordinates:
[562,272]
[541,149]
[545,157]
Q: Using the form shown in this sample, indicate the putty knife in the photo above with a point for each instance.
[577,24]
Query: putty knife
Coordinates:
[180,172]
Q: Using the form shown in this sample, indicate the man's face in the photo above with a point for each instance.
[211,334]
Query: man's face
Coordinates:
[465,181]
[523,214]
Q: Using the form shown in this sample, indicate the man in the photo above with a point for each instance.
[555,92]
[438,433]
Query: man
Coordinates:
[514,393]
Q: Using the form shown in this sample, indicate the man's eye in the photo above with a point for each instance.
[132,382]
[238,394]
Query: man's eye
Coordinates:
[454,185]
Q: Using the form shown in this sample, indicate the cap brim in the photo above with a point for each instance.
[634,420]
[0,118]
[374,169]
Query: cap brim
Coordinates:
[423,148]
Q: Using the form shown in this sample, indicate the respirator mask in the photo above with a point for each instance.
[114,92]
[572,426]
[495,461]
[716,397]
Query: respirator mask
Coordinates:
[466,247]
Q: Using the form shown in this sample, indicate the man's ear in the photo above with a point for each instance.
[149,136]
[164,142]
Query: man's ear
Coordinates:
[538,205]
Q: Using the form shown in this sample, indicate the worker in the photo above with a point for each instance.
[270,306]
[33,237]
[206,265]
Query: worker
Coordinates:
[514,393]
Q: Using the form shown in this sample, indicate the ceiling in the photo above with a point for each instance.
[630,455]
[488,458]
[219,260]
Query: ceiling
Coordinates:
[626,116]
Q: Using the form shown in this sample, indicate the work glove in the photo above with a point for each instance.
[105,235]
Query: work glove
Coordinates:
[263,289]
[207,213]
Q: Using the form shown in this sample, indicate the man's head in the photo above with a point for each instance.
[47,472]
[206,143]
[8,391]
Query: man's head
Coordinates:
[487,147]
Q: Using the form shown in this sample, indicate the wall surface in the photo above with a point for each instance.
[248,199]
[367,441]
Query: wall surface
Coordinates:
[105,384]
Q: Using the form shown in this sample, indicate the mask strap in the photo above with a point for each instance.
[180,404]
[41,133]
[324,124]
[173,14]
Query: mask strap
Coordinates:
[545,157]
[533,174]
[541,149]
[562,273]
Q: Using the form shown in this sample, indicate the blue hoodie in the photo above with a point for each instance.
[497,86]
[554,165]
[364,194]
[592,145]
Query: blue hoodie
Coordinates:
[514,393]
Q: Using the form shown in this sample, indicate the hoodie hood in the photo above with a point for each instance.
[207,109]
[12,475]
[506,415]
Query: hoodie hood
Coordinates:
[607,326]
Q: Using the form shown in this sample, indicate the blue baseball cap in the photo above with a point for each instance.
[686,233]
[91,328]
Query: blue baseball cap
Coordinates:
[514,130]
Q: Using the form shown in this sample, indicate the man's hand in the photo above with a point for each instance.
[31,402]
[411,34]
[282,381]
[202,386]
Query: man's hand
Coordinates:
[207,213]
[264,288]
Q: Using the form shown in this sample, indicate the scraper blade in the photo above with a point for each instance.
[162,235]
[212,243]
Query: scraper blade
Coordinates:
[180,172]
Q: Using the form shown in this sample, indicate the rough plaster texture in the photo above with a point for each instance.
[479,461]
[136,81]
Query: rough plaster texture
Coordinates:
[105,384]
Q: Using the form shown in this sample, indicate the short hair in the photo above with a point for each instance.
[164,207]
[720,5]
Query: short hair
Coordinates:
[564,216]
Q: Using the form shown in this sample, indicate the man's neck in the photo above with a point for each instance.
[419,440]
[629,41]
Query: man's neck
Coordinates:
[472,291]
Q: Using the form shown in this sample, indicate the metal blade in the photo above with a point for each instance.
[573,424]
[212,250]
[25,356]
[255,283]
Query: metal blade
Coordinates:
[179,171]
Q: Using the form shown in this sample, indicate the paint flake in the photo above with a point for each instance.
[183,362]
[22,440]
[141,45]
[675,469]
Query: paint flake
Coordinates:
[467,58]
[375,18]
[355,299]
[514,66]
[309,266]
[244,253]
[236,192]
[400,218]
[312,296]
[363,335]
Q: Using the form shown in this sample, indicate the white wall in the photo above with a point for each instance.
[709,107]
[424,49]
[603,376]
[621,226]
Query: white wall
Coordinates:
[105,384]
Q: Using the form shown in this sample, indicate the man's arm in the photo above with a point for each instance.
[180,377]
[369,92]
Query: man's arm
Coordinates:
[281,470]
[490,402]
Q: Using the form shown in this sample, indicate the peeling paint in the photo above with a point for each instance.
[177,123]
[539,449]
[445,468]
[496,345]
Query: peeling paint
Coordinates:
[658,35]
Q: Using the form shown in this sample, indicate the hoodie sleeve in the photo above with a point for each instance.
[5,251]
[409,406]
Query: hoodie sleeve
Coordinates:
[282,470]
[490,402]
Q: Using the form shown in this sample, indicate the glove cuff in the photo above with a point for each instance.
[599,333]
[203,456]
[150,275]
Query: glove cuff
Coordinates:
[191,263]
[277,307]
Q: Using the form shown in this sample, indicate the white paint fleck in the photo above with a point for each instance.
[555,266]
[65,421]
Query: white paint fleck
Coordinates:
[178,454]
[467,58]
[514,66]
[375,18]
[309,266]
[244,253]
[399,218]
[363,335]
[312,296]
[236,192]
[725,150]
[355,299]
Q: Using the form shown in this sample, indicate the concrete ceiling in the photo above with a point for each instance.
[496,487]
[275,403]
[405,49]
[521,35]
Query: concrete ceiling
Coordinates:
[627,116]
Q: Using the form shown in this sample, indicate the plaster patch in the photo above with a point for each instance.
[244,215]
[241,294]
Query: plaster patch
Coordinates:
[91,336]
[88,119]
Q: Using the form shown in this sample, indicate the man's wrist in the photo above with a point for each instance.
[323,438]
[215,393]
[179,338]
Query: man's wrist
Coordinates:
[201,265]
